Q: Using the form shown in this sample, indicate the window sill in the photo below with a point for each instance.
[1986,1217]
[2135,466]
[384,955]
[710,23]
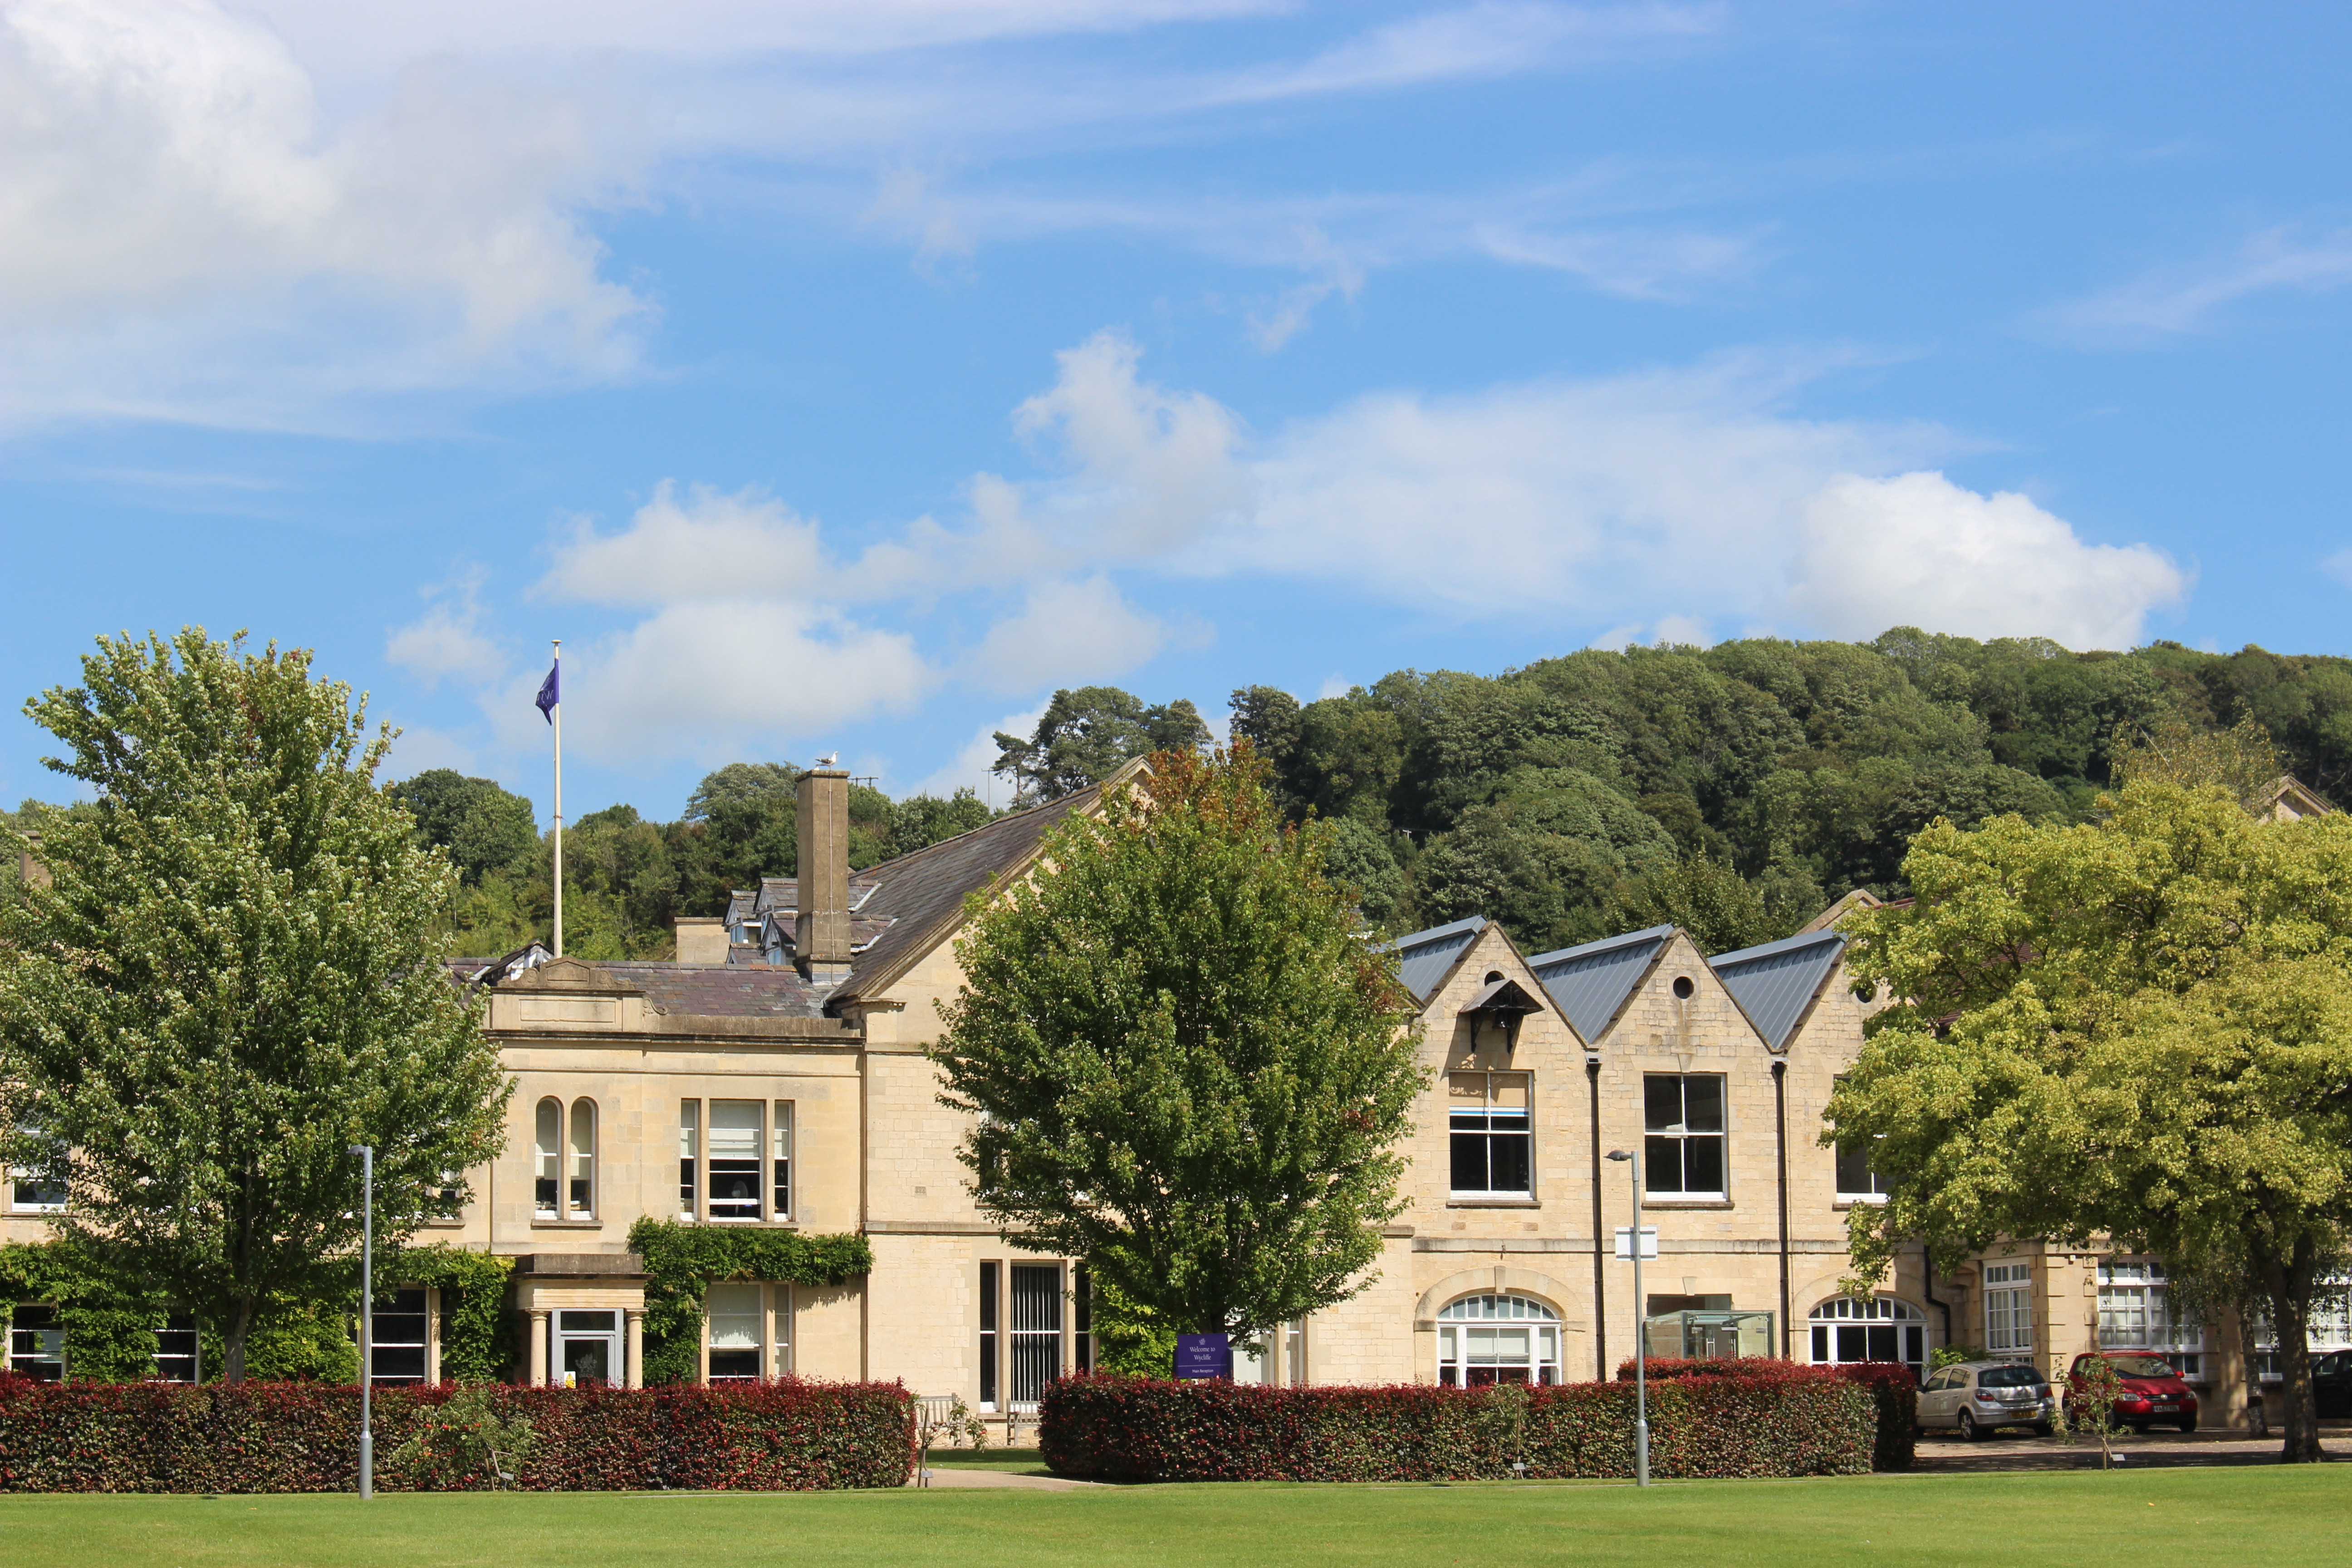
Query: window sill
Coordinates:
[443,1224]
[567,1224]
[1860,1200]
[743,1223]
[1692,1203]
[1464,1201]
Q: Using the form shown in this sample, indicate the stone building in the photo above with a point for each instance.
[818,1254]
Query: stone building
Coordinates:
[774,1078]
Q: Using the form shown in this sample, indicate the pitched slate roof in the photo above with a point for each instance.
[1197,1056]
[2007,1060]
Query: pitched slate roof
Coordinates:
[721,989]
[1587,983]
[774,904]
[1776,982]
[918,899]
[1425,957]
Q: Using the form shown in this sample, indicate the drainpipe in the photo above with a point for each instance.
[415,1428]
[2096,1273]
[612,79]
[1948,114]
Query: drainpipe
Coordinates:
[1600,1252]
[1927,1289]
[1781,1129]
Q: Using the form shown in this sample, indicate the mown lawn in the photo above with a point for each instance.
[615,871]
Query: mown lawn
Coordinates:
[2278,1517]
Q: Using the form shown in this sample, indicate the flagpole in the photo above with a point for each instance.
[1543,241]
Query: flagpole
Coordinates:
[555,716]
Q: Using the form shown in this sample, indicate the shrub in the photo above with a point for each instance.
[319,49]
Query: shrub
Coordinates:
[786,1436]
[1132,1428]
[1893,1391]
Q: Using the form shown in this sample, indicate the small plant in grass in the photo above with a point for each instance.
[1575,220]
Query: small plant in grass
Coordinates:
[954,1423]
[461,1440]
[2086,1407]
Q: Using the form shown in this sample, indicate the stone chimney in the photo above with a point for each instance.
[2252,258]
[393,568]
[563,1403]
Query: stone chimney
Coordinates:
[701,940]
[30,870]
[821,941]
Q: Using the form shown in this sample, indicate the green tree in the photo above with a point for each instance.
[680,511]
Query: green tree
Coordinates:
[1714,903]
[234,978]
[2140,1029]
[920,821]
[1186,1066]
[1088,734]
[482,826]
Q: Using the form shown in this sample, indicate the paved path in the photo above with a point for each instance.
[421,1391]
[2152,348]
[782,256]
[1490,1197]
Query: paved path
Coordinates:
[1943,1453]
[1002,1480]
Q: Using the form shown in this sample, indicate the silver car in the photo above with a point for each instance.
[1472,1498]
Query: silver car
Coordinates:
[1977,1396]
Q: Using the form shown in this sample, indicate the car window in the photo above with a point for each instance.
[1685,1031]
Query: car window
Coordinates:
[2141,1365]
[2008,1377]
[1947,1378]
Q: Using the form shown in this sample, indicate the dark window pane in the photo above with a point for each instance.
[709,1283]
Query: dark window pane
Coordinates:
[546,1195]
[1882,1342]
[1821,1342]
[1703,1162]
[1662,1101]
[1511,1155]
[1662,1159]
[1470,1163]
[1853,1343]
[1703,1102]
[783,1188]
[399,1363]
[1854,1171]
[732,1366]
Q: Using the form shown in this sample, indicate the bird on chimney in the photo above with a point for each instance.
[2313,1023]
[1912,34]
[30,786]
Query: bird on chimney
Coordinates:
[829,760]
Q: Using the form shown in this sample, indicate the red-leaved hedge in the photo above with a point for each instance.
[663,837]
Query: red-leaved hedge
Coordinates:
[787,1436]
[1893,1387]
[1154,1429]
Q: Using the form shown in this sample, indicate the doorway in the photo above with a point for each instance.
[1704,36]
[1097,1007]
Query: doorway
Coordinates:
[587,1348]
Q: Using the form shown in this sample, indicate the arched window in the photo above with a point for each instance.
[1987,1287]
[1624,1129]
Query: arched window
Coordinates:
[1878,1328]
[547,1161]
[581,1200]
[1483,1339]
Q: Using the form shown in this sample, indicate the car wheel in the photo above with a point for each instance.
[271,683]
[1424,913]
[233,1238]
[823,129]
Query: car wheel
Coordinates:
[2042,1428]
[2188,1424]
[1967,1424]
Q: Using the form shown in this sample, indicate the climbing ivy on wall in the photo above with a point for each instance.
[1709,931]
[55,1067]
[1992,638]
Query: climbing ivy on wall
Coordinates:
[683,1260]
[109,1334]
[477,1329]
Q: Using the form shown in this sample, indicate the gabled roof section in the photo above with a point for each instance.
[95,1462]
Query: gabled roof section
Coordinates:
[1776,982]
[1588,983]
[918,899]
[1425,958]
[723,990]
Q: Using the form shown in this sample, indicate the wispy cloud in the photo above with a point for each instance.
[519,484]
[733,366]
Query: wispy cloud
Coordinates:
[2175,300]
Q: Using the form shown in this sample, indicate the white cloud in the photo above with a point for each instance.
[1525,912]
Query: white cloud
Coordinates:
[1918,550]
[1068,631]
[419,748]
[720,676]
[2175,300]
[182,225]
[448,641]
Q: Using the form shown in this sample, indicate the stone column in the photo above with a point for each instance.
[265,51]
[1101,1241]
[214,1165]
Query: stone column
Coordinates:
[538,1378]
[634,1327]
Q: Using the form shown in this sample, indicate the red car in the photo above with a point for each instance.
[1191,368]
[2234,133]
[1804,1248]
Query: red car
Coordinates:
[2153,1393]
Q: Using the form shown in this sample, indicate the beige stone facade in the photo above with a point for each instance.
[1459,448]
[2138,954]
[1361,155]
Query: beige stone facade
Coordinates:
[796,1096]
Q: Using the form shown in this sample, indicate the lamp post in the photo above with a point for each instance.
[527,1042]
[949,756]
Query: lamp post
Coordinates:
[366,1153]
[1640,1339]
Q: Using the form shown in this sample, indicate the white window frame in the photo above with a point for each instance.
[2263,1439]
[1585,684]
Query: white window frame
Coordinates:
[422,1344]
[1874,1194]
[2135,1314]
[38,1345]
[2009,1292]
[579,1191]
[1458,1329]
[689,1159]
[780,1151]
[1679,1133]
[24,1177]
[547,1159]
[758,1162]
[1486,1115]
[736,1293]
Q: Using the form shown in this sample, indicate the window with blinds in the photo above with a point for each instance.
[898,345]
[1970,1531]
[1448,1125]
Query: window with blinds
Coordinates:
[1036,1336]
[735,1129]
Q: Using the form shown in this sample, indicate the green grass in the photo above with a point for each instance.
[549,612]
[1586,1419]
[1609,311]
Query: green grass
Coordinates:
[1012,1461]
[2280,1518]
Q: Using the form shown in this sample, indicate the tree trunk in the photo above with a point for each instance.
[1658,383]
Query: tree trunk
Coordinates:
[2291,1313]
[233,1343]
[2258,1422]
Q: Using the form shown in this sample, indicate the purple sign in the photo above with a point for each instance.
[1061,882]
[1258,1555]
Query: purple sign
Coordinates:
[1204,1356]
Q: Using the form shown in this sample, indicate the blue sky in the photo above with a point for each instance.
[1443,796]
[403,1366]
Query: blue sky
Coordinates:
[849,377]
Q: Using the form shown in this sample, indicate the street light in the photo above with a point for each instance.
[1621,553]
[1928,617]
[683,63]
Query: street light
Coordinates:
[366,1153]
[1641,1346]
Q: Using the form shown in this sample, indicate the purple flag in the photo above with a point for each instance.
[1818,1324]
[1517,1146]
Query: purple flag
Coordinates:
[548,697]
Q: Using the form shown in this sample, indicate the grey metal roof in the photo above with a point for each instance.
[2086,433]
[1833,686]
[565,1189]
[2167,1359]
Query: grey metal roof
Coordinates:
[1590,983]
[1423,957]
[1775,983]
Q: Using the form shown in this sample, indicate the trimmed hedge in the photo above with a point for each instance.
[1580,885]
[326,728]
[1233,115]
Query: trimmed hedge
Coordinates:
[786,1436]
[1155,1429]
[1894,1389]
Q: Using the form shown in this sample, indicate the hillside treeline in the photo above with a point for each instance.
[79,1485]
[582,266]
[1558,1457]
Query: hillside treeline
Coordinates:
[1734,790]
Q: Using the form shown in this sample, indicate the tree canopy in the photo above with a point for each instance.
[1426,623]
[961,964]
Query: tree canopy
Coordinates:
[232,979]
[1087,735]
[1186,1066]
[2136,1028]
